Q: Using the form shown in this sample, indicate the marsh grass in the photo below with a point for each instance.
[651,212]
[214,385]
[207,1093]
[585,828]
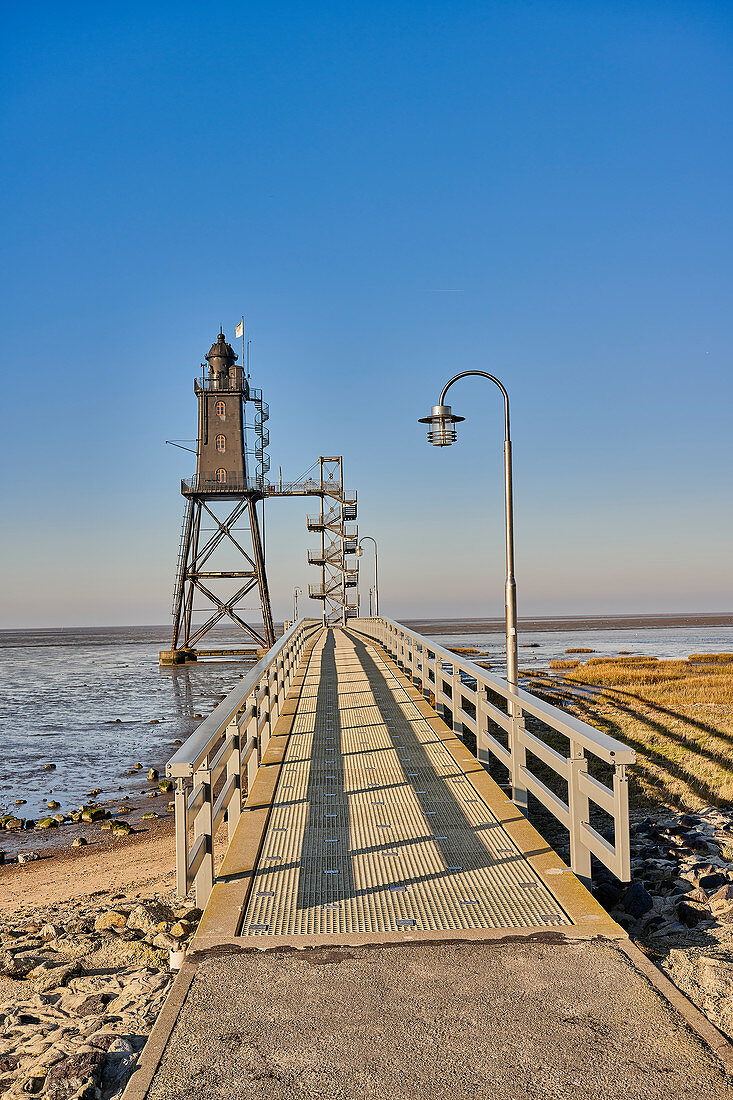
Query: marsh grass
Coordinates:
[580,650]
[678,715]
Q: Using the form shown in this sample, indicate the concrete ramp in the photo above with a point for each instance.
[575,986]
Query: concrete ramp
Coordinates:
[435,1021]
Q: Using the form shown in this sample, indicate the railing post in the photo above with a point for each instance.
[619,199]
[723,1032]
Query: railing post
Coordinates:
[234,768]
[181,815]
[456,691]
[204,826]
[519,760]
[621,825]
[579,806]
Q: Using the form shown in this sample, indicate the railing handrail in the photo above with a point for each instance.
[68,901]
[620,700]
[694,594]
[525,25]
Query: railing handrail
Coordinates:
[185,761]
[607,748]
[471,708]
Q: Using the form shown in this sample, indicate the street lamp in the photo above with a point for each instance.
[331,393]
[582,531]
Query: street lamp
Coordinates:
[442,433]
[296,592]
[359,554]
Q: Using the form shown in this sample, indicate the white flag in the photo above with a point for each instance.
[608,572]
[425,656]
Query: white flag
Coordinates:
[240,330]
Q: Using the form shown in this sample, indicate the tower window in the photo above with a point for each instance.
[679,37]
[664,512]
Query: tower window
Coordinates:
[221,443]
[221,476]
[221,409]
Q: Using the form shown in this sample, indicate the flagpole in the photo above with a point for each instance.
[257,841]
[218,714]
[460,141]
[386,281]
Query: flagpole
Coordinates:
[243,344]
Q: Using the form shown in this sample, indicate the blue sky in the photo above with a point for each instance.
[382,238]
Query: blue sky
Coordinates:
[391,193]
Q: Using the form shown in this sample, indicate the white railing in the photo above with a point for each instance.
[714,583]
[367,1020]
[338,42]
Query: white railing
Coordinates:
[468,707]
[215,767]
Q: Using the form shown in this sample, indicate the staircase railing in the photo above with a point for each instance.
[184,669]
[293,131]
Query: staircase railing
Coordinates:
[471,699]
[215,767]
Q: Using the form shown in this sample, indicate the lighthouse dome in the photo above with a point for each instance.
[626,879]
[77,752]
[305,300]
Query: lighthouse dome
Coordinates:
[221,355]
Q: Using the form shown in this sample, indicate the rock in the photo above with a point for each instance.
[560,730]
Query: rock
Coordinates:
[692,913]
[181,929]
[51,932]
[637,901]
[93,813]
[149,815]
[49,767]
[712,881]
[138,766]
[13,823]
[190,914]
[69,1076]
[106,825]
[722,899]
[146,917]
[152,775]
[111,918]
[53,804]
[165,785]
[20,801]
[33,1085]
[152,794]
[165,942]
[45,977]
[607,895]
[121,828]
[95,792]
[19,965]
[123,810]
[47,823]
[171,808]
[79,842]
[27,857]
[178,741]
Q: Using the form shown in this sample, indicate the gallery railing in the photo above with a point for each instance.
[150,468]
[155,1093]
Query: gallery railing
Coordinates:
[471,699]
[215,767]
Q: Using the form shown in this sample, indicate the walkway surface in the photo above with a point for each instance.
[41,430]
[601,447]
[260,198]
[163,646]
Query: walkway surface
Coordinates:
[375,826]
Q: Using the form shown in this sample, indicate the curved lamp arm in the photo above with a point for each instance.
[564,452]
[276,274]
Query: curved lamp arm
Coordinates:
[481,374]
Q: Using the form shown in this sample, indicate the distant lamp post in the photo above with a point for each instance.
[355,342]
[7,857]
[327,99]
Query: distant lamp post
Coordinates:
[296,592]
[441,433]
[359,554]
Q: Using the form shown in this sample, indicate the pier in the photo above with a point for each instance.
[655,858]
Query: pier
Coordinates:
[360,821]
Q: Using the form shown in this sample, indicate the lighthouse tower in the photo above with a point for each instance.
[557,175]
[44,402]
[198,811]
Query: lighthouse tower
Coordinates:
[221,560]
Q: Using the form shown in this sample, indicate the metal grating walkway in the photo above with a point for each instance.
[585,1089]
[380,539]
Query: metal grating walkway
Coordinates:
[374,827]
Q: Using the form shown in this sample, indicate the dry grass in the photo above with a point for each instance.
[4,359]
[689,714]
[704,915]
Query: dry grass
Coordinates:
[564,664]
[463,649]
[580,650]
[678,715]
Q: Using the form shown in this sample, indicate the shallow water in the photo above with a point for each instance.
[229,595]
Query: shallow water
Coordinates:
[62,691]
[61,695]
[540,647]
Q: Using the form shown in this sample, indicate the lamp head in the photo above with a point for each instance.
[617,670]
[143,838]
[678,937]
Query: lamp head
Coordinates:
[441,432]
[359,551]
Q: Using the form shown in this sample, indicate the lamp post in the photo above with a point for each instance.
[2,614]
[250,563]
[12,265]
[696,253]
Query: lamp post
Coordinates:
[442,433]
[296,592]
[359,553]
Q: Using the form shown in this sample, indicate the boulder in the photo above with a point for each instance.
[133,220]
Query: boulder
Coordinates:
[111,918]
[153,775]
[69,1076]
[146,917]
[637,901]
[691,913]
[722,899]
